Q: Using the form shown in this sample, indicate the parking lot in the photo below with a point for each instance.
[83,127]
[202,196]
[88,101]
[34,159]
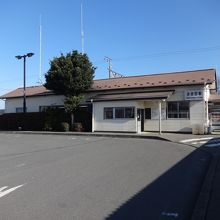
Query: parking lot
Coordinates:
[77,177]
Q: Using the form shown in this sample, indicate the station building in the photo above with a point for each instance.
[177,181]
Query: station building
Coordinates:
[169,102]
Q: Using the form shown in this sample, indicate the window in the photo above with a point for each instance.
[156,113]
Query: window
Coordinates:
[44,108]
[108,113]
[129,112]
[118,112]
[147,113]
[19,110]
[178,109]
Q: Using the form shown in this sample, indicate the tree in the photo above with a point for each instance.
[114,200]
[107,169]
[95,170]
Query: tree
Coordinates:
[71,104]
[70,75]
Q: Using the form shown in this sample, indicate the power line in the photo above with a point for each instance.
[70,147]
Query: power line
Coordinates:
[171,53]
[164,54]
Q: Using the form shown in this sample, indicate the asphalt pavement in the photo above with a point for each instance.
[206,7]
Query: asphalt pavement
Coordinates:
[51,177]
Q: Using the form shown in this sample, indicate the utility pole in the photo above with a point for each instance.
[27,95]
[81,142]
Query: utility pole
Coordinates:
[109,60]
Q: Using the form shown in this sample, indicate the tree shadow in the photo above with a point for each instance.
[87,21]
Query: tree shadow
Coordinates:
[172,195]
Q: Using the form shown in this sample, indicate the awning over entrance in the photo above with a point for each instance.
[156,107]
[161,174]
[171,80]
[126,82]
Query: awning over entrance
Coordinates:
[133,96]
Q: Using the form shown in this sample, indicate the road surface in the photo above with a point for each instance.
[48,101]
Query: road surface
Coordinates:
[50,177]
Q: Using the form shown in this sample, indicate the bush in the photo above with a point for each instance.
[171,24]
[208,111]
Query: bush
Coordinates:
[47,127]
[54,118]
[64,126]
[78,126]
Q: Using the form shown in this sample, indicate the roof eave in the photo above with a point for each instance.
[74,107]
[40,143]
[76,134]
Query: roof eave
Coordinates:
[149,87]
[125,99]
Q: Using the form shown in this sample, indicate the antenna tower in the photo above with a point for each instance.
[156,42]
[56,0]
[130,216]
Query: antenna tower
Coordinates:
[82,31]
[40,55]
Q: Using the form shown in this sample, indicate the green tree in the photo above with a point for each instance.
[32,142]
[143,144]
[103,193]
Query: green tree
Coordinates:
[71,104]
[70,75]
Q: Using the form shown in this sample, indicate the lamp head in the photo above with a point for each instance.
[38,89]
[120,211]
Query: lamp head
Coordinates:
[18,57]
[30,54]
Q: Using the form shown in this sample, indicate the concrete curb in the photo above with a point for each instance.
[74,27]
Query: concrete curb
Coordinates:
[113,135]
[200,210]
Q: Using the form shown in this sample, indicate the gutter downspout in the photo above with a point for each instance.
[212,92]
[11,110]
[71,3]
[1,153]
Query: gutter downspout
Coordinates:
[159,106]
[206,110]
[93,116]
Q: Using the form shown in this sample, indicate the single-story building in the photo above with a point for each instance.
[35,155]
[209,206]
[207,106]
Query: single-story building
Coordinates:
[169,102]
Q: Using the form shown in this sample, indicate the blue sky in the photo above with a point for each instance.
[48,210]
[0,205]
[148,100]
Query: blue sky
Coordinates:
[141,36]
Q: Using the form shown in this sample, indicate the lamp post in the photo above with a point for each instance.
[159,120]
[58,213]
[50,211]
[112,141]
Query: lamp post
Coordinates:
[24,88]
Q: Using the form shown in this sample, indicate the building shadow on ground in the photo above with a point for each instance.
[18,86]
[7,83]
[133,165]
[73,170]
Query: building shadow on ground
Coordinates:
[171,196]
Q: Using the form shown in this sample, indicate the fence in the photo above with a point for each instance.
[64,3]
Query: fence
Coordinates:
[36,121]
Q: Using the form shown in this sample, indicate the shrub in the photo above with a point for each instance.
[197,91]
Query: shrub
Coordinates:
[64,126]
[78,126]
[47,127]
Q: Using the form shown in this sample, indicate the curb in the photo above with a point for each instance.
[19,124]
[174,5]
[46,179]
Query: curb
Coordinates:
[200,210]
[113,135]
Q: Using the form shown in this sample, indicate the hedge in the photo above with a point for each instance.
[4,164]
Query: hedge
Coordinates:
[36,121]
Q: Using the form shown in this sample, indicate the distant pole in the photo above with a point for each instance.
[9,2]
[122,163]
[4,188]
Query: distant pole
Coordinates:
[24,90]
[82,31]
[109,60]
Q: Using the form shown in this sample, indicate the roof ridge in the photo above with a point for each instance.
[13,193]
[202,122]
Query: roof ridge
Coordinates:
[30,87]
[156,74]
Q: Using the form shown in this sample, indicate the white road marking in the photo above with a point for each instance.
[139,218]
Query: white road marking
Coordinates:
[21,165]
[3,193]
[199,142]
[17,136]
[196,139]
[202,159]
[213,145]
[4,187]
[170,214]
[73,138]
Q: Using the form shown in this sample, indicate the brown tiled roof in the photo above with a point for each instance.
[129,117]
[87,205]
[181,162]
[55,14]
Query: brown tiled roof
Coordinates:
[157,80]
[30,91]
[143,81]
[133,96]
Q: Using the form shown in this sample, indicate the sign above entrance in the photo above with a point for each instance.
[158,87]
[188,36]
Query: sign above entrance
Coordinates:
[193,95]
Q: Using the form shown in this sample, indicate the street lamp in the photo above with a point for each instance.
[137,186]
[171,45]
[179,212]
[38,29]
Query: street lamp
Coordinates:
[24,90]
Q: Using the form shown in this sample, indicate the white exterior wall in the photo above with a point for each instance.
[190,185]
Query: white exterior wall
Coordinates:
[117,125]
[181,125]
[197,118]
[198,113]
[33,103]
